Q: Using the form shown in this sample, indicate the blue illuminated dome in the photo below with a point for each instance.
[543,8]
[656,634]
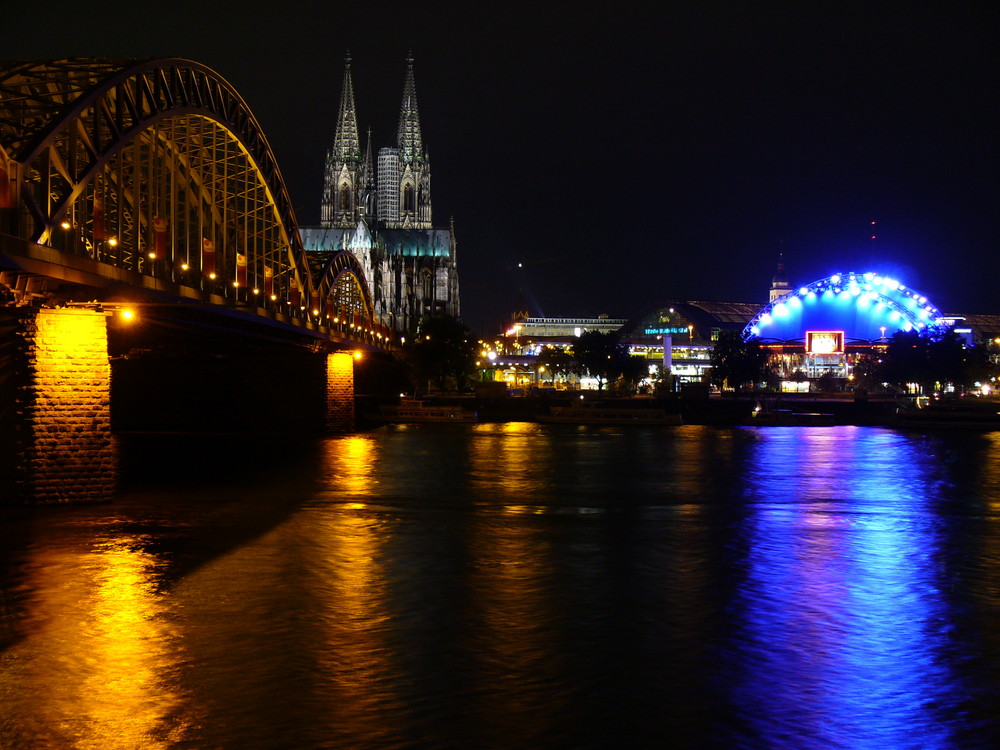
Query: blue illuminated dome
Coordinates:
[865,307]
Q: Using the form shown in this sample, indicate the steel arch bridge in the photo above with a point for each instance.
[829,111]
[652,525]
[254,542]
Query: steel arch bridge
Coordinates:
[156,171]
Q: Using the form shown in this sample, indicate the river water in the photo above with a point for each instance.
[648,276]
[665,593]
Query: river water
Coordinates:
[514,586]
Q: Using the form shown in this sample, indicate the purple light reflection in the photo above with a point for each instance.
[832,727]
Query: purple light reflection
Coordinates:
[841,624]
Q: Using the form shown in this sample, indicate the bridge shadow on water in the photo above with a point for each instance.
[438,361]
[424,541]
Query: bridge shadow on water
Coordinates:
[182,500]
[237,486]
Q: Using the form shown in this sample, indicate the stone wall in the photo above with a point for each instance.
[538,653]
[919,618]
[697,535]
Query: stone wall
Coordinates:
[340,392]
[55,365]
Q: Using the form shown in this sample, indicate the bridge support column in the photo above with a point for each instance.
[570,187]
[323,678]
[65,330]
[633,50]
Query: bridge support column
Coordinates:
[59,425]
[339,392]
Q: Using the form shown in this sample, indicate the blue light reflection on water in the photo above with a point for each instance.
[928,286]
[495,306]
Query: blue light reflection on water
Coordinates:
[519,586]
[842,637]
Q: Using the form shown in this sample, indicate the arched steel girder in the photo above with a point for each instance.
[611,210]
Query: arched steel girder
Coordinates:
[79,130]
[343,279]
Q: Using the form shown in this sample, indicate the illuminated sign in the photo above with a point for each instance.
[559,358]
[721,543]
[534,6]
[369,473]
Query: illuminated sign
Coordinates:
[825,342]
[663,331]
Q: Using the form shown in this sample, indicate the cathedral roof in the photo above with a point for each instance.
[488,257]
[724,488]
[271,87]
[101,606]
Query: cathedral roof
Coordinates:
[333,239]
[420,243]
[417,242]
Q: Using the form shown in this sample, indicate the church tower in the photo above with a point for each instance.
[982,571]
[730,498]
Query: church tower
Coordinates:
[380,211]
[404,172]
[779,282]
[345,173]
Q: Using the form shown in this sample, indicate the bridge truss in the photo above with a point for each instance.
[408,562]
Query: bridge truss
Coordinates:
[158,167]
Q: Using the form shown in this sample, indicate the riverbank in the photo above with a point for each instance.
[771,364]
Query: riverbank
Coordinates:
[712,410]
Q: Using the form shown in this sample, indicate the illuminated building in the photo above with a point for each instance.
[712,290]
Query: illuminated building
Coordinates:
[561,331]
[381,211]
[813,331]
[679,336]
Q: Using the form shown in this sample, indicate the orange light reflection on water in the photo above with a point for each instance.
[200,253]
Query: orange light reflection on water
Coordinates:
[348,570]
[504,459]
[511,575]
[350,465]
[98,663]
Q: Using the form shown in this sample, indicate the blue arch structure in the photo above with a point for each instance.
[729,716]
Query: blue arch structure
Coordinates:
[866,307]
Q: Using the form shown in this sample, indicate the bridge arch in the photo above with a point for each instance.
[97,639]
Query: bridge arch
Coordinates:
[155,166]
[345,293]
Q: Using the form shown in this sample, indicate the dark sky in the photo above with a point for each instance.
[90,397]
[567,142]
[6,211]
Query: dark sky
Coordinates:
[630,153]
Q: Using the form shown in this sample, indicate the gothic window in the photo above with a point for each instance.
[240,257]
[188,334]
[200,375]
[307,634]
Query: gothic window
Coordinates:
[345,197]
[427,285]
[408,204]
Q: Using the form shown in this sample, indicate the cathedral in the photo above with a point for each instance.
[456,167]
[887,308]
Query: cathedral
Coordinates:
[380,210]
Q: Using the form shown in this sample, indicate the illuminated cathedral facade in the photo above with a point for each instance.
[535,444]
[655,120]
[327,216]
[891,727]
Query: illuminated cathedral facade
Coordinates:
[380,209]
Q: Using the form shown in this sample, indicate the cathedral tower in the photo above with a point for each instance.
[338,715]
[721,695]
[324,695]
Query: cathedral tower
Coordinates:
[343,187]
[381,212]
[404,172]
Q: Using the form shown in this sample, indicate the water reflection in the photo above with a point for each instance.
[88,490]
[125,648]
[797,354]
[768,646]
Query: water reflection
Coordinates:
[350,466]
[517,641]
[346,573]
[523,586]
[98,666]
[503,462]
[842,633]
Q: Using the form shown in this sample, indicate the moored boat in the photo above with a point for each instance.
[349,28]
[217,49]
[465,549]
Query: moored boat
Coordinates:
[415,410]
[788,417]
[597,415]
[965,414]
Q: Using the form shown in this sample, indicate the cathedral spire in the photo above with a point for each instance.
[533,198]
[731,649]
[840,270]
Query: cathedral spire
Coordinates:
[408,136]
[340,179]
[366,183]
[346,144]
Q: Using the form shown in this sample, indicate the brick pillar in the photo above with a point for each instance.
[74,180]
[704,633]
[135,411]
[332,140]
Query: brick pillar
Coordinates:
[62,416]
[339,392]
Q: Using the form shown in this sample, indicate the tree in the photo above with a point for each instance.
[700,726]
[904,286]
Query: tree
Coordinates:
[632,369]
[601,355]
[736,362]
[933,358]
[443,352]
[827,382]
[557,361]
[868,371]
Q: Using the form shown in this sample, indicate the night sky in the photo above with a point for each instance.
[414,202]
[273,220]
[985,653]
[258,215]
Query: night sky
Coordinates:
[625,154]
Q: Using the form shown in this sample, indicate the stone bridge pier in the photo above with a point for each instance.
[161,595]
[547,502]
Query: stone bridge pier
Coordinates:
[66,386]
[55,424]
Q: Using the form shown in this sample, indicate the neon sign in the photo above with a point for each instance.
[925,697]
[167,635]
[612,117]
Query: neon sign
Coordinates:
[664,331]
[825,342]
